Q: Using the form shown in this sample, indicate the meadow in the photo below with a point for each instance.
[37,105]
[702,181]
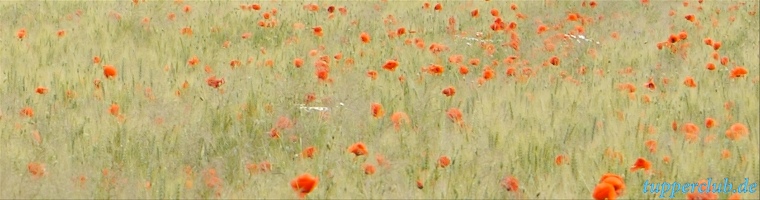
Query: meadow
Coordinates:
[376,99]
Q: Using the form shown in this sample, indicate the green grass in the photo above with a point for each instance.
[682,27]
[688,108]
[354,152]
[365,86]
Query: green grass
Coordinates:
[514,128]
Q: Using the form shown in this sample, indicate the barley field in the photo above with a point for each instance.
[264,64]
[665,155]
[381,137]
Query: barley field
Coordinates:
[464,99]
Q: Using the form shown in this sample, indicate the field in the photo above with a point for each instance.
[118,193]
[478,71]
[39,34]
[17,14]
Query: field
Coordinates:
[376,99]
